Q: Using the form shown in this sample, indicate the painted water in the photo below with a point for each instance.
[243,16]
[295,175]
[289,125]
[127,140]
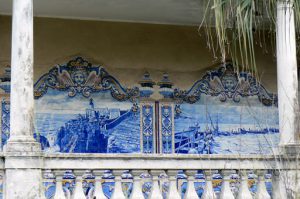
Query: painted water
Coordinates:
[211,127]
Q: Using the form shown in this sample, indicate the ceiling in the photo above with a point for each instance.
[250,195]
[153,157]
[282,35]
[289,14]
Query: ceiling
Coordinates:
[180,12]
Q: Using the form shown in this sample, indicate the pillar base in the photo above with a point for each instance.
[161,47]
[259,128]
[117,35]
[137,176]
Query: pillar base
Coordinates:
[22,147]
[23,170]
[23,183]
[290,149]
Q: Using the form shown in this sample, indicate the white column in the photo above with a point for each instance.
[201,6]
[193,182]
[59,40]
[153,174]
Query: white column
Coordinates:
[287,79]
[98,192]
[118,192]
[244,192]
[226,192]
[173,190]
[278,186]
[297,184]
[137,192]
[25,169]
[21,98]
[191,190]
[156,191]
[208,190]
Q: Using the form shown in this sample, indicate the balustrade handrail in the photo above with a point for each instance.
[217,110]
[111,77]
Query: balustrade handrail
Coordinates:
[162,161]
[167,161]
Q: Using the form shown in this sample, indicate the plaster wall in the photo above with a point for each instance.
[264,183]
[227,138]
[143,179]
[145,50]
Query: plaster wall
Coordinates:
[83,119]
[127,49]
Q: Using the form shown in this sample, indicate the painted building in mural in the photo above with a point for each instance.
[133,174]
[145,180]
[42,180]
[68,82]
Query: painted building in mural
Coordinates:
[81,108]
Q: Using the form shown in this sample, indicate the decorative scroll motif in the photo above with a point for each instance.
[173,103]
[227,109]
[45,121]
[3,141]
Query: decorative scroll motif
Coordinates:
[80,76]
[166,128]
[5,120]
[147,128]
[226,83]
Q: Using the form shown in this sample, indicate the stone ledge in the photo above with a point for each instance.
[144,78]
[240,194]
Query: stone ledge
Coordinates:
[161,156]
[23,162]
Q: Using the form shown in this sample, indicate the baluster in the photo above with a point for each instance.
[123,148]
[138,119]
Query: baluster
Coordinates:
[226,192]
[278,187]
[244,192]
[118,191]
[98,191]
[59,192]
[164,184]
[78,192]
[191,190]
[208,190]
[48,178]
[137,192]
[156,191]
[173,191]
[261,186]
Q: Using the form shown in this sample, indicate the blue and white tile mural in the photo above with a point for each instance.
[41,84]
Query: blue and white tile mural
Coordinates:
[148,127]
[5,121]
[226,112]
[81,125]
[208,127]
[166,121]
[81,108]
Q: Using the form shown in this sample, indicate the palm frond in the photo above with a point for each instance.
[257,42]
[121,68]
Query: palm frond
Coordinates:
[243,19]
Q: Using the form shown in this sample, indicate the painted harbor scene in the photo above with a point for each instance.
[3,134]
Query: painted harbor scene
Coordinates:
[211,127]
[98,124]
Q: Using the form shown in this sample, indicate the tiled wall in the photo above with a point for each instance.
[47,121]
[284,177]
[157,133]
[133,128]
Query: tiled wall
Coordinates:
[82,108]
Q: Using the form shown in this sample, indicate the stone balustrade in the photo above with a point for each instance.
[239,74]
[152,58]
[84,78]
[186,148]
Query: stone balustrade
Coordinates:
[80,176]
[90,176]
[157,184]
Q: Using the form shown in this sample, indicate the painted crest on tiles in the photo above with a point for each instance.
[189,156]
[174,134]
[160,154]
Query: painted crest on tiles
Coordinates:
[226,84]
[79,76]
[81,108]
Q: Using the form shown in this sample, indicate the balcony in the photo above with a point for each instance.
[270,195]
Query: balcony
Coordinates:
[166,176]
[79,130]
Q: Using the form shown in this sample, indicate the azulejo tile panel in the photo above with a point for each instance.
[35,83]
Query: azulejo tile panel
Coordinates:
[81,108]
[148,127]
[166,128]
[5,120]
[226,112]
